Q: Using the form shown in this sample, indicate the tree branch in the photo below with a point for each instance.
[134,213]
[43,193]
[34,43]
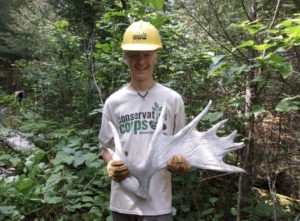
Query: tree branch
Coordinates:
[275,13]
[224,30]
[91,63]
[245,10]
[270,26]
[188,12]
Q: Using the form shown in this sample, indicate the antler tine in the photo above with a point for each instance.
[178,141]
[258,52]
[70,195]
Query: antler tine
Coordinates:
[234,146]
[118,146]
[189,141]
[217,126]
[230,139]
[158,128]
[194,122]
[199,117]
[231,136]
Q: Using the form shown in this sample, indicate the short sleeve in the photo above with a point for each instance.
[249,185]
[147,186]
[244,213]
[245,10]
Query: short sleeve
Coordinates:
[105,136]
[179,116]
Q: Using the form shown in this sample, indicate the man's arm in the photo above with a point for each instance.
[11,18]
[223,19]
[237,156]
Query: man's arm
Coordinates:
[106,156]
[177,164]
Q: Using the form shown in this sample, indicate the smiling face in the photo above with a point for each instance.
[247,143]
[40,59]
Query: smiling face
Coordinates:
[141,64]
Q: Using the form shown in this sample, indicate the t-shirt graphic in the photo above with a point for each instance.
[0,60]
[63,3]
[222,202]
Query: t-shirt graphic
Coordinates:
[141,122]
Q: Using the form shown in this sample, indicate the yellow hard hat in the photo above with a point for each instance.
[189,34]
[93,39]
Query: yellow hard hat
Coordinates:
[141,36]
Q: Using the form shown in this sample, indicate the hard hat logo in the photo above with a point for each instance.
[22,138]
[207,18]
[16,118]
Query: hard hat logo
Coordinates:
[141,36]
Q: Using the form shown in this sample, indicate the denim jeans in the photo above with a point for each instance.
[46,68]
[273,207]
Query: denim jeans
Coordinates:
[128,217]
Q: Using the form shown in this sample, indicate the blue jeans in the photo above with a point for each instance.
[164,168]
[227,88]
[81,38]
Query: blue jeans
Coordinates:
[128,217]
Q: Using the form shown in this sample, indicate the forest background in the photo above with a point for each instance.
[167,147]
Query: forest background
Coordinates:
[65,56]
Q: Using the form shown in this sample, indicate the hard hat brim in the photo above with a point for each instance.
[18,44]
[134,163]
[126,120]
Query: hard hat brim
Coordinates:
[140,47]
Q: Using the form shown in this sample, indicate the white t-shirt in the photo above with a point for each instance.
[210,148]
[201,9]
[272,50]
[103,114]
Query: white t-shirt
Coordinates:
[135,119]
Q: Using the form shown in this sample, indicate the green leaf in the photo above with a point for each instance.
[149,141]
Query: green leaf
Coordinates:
[87,199]
[288,104]
[54,179]
[62,157]
[68,150]
[213,117]
[74,141]
[29,115]
[286,70]
[77,206]
[15,161]
[79,160]
[217,63]
[93,164]
[254,27]
[73,192]
[96,111]
[274,58]
[257,110]
[279,63]
[61,24]
[233,72]
[85,132]
[259,79]
[236,102]
[59,158]
[96,212]
[285,23]
[103,47]
[91,160]
[214,68]
[25,184]
[217,59]
[253,30]
[52,199]
[293,32]
[263,47]
[158,21]
[233,211]
[213,200]
[144,2]
[69,159]
[185,208]
[246,44]
[90,156]
[157,4]
[207,212]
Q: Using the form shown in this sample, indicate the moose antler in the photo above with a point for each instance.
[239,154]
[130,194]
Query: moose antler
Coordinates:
[203,150]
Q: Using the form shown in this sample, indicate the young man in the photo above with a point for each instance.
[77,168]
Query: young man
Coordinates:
[134,110]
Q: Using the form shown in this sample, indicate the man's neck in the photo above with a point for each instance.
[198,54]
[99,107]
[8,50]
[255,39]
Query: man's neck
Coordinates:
[142,85]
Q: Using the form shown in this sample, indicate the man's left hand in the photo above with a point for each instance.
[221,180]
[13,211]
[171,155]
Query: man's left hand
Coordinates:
[178,165]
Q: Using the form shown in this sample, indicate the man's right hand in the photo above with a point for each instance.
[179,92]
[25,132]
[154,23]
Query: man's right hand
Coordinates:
[117,170]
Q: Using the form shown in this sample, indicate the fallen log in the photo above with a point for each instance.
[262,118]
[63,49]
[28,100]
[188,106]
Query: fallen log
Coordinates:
[18,143]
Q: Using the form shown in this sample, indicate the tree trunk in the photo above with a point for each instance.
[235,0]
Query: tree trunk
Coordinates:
[247,153]
[10,87]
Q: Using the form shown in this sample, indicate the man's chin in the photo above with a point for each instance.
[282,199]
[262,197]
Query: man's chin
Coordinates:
[141,73]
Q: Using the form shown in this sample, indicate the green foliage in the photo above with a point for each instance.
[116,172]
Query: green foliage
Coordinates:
[6,100]
[269,59]
[58,185]
[8,50]
[288,104]
[263,210]
[57,82]
[197,199]
[76,44]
